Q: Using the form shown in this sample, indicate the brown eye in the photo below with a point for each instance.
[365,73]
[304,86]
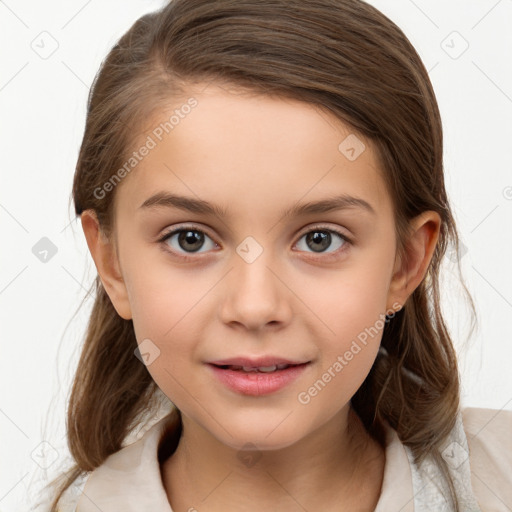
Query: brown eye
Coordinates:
[190,240]
[319,240]
[187,240]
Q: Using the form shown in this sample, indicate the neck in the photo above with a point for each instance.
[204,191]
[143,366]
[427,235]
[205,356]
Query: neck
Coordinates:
[333,465]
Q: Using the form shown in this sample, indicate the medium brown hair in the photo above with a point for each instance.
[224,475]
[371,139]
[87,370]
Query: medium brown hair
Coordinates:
[343,56]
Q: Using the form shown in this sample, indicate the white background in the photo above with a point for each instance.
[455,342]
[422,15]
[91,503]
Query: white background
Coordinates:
[43,103]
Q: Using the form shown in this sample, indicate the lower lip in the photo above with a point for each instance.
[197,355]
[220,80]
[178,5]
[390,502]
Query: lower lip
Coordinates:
[258,383]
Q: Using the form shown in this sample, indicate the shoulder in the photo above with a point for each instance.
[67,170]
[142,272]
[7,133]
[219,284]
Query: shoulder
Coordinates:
[489,435]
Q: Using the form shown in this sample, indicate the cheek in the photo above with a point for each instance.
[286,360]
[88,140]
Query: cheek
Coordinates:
[354,311]
[352,305]
[352,300]
[348,353]
[166,307]
[163,300]
[361,302]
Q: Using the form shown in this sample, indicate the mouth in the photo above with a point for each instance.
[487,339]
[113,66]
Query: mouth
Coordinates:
[259,369]
[257,380]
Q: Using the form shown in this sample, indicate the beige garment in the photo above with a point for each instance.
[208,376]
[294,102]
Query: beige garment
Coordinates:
[129,480]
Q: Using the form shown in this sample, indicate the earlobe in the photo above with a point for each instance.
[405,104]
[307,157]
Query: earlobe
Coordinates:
[103,253]
[411,268]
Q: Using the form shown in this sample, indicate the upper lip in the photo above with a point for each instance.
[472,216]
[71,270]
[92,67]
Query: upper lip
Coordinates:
[256,362]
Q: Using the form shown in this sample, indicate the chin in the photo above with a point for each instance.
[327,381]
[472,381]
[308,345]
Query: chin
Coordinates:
[255,437]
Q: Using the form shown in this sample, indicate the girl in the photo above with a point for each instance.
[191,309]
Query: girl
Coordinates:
[260,185]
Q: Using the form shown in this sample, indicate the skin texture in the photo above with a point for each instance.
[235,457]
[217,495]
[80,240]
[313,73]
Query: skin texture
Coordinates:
[256,156]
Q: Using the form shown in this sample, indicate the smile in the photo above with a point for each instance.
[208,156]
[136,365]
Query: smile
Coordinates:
[259,380]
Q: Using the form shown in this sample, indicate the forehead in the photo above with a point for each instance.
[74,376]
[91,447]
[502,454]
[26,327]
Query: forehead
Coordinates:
[250,153]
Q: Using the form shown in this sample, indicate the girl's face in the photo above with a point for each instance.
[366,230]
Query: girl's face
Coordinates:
[252,279]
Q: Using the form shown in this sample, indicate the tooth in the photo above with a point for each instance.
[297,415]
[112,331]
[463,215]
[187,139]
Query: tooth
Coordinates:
[267,368]
[264,369]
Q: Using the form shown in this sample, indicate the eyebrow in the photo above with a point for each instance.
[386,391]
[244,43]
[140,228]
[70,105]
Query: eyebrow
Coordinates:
[167,200]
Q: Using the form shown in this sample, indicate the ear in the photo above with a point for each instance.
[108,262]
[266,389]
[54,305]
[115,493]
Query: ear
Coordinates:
[104,254]
[410,269]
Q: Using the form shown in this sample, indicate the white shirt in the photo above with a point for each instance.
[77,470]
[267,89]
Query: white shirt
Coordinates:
[130,479]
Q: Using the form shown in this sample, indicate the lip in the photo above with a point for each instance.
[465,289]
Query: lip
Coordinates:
[257,383]
[256,362]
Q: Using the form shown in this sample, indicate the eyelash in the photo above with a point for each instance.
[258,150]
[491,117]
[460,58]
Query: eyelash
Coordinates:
[320,228]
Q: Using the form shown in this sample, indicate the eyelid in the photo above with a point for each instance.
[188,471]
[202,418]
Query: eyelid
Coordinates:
[325,227]
[183,227]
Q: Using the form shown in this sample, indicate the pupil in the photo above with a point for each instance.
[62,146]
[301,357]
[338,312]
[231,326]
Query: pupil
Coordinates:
[191,237]
[319,237]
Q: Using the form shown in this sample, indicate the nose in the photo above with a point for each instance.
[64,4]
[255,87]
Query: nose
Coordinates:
[255,295]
